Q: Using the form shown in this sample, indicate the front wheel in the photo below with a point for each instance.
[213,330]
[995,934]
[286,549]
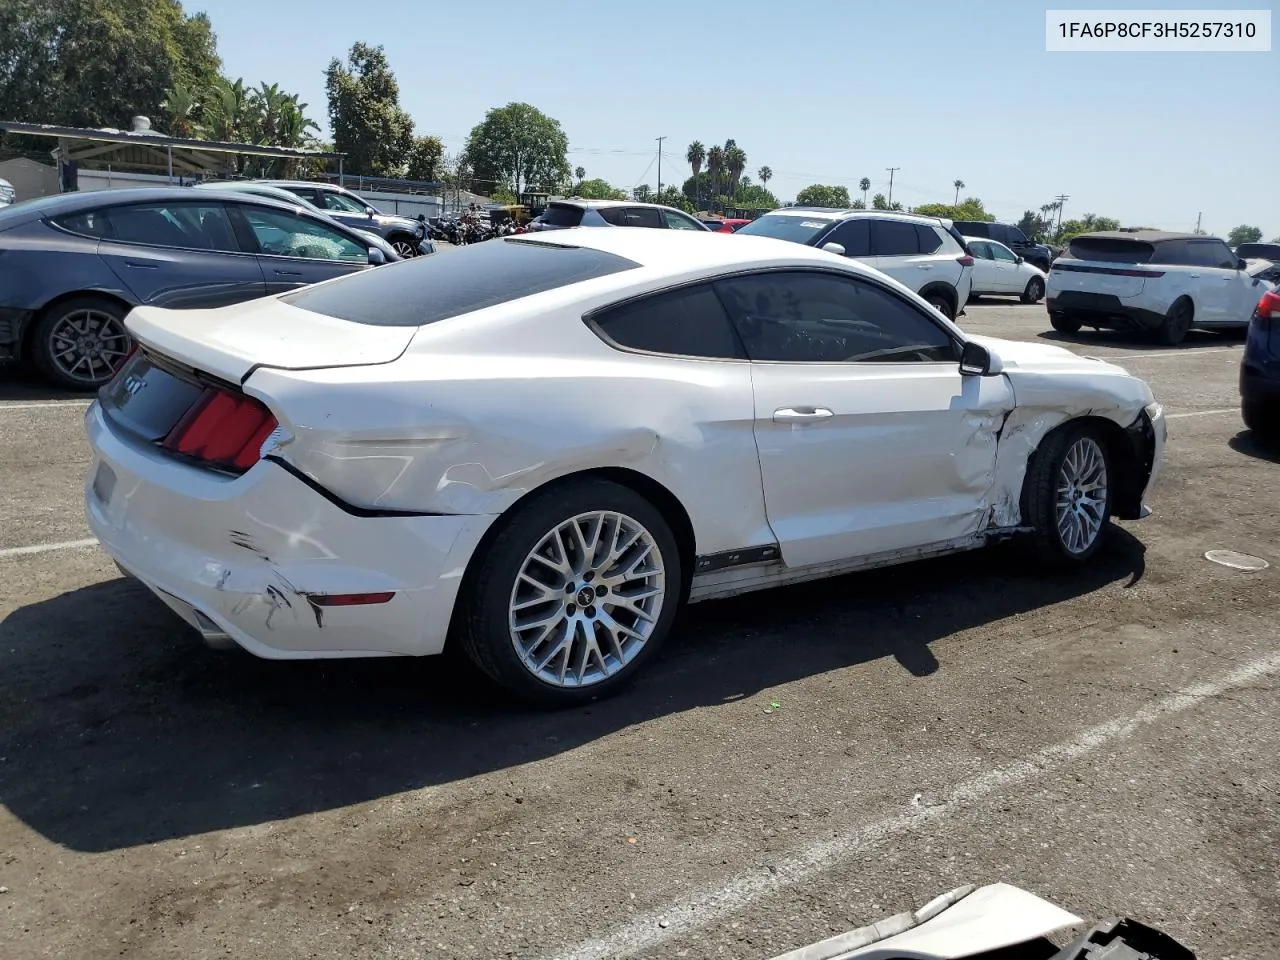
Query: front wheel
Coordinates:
[1034,291]
[574,595]
[1068,495]
[404,248]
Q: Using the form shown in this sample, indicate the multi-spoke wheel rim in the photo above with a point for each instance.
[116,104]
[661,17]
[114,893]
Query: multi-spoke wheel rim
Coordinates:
[1082,495]
[88,345]
[1036,292]
[587,599]
[404,248]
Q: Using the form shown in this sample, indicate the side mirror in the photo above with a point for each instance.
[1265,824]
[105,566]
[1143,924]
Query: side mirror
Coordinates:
[1241,263]
[377,257]
[1018,259]
[836,248]
[369,212]
[975,360]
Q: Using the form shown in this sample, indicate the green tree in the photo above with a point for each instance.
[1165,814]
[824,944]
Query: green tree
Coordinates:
[518,145]
[365,116]
[818,195]
[99,62]
[642,194]
[735,162]
[181,112]
[959,185]
[970,209]
[1243,234]
[879,202]
[426,158]
[864,185]
[598,189]
[672,197]
[716,168]
[765,174]
[1089,223]
[858,204]
[580,173]
[698,190]
[696,154]
[752,196]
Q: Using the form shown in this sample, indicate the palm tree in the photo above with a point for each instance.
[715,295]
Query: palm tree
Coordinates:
[864,185]
[580,173]
[695,155]
[735,161]
[715,167]
[181,110]
[765,175]
[959,185]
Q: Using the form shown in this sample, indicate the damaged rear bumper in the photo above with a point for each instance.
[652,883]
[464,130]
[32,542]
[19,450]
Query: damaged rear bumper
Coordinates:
[239,558]
[1146,436]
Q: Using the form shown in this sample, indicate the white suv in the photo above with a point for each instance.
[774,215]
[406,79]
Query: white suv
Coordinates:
[1152,282]
[925,254]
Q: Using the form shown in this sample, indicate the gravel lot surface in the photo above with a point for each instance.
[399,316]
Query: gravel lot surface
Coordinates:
[1108,740]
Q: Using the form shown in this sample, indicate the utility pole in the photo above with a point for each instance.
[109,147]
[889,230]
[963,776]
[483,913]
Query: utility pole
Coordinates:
[660,139]
[891,170]
[1060,199]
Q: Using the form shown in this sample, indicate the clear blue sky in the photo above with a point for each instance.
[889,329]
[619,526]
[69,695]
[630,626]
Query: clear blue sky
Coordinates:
[822,91]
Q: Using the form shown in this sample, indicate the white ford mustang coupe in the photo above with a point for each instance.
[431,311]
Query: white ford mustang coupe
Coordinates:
[540,447]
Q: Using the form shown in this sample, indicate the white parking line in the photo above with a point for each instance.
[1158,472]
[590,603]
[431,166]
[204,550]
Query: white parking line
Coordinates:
[1170,353]
[1201,413]
[719,900]
[46,547]
[37,405]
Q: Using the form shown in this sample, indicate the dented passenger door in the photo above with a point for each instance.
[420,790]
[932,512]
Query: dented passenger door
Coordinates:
[870,439]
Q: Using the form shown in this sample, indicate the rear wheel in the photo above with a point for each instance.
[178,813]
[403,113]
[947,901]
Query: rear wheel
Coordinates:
[576,593]
[1262,418]
[942,302]
[1034,291]
[1177,323]
[1063,323]
[1068,494]
[80,343]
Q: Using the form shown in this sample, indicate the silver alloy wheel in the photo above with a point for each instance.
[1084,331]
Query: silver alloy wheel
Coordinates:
[88,345]
[404,248]
[1081,502]
[587,599]
[1037,289]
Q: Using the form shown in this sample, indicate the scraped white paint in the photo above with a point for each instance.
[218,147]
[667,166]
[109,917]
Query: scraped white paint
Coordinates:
[719,900]
[41,404]
[47,547]
[1202,413]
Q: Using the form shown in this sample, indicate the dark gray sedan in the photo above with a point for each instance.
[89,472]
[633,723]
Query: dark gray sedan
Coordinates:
[75,264]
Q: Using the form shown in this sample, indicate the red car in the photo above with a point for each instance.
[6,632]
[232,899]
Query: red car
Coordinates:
[727,225]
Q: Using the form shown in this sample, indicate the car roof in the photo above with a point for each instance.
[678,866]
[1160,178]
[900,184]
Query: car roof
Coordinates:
[601,204]
[682,250]
[1146,236]
[843,213]
[314,184]
[90,199]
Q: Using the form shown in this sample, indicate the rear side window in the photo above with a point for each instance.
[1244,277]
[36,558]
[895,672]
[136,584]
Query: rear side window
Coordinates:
[562,215]
[690,322]
[929,239]
[894,238]
[632,216]
[426,289]
[1111,250]
[91,223]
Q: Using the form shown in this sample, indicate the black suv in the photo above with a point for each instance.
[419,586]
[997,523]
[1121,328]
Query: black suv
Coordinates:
[1037,254]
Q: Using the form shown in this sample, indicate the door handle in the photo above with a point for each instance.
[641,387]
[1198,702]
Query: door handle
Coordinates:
[140,265]
[1194,276]
[288,273]
[924,266]
[801,414]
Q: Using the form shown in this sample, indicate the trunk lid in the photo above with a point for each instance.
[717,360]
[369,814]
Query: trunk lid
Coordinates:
[230,342]
[1106,265]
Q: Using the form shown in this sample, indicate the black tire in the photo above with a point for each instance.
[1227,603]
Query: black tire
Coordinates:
[942,302]
[485,635]
[1063,323]
[1262,418]
[1177,323]
[53,362]
[1034,291]
[1040,496]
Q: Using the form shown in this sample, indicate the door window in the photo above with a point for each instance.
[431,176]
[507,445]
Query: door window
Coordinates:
[690,322]
[854,235]
[1211,253]
[894,238]
[811,317]
[340,203]
[1003,253]
[678,221]
[192,226]
[981,249]
[287,235]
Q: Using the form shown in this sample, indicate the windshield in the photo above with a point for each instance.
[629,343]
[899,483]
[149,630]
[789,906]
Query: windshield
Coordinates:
[787,227]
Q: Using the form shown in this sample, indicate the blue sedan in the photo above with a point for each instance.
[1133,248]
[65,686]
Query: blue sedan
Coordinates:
[75,264]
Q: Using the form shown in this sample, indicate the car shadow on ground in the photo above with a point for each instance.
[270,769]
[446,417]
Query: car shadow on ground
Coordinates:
[1196,339]
[1252,445]
[19,383]
[118,728]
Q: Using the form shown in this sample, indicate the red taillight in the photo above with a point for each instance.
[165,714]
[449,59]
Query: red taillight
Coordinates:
[965,261]
[1268,307]
[348,599]
[223,429]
